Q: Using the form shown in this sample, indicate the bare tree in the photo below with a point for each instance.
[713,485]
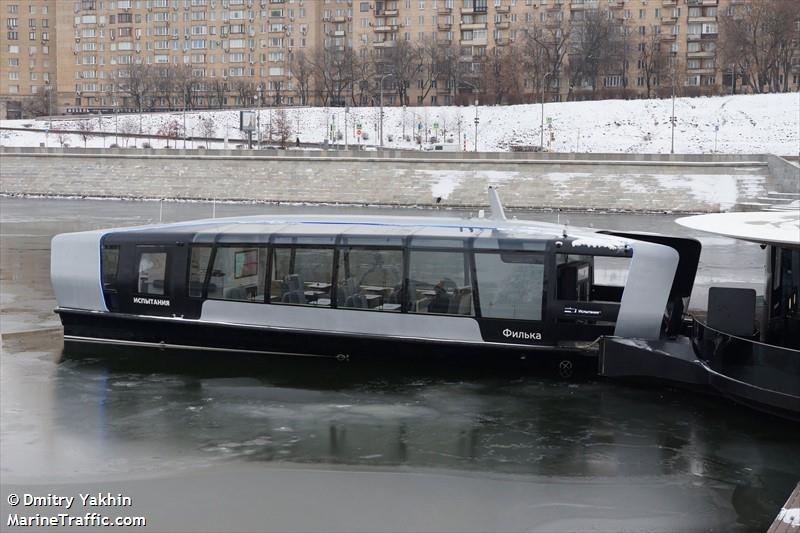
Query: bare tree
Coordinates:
[137,81]
[245,90]
[363,74]
[171,129]
[85,130]
[545,47]
[301,69]
[595,49]
[502,74]
[333,68]
[404,62]
[208,127]
[757,38]
[127,127]
[218,88]
[183,85]
[653,60]
[282,126]
[37,105]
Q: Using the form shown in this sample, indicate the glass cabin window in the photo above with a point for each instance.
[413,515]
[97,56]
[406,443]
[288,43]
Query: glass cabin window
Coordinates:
[589,278]
[239,274]
[439,282]
[198,268]
[510,285]
[110,266]
[152,273]
[302,276]
[370,279]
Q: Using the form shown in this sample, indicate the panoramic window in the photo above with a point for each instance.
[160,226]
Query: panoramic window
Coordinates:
[370,279]
[152,273]
[239,274]
[198,267]
[302,276]
[439,282]
[510,285]
[110,266]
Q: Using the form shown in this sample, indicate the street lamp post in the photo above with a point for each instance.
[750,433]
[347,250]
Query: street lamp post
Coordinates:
[541,133]
[672,118]
[476,125]
[260,97]
[381,114]
[346,111]
[116,122]
[184,119]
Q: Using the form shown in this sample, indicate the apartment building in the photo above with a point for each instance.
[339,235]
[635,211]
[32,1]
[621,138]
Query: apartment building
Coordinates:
[86,55]
[29,59]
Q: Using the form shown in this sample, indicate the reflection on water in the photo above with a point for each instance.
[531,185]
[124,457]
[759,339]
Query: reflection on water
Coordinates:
[104,416]
[332,414]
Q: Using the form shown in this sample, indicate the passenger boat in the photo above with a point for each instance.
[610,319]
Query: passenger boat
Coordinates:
[362,288]
[747,346]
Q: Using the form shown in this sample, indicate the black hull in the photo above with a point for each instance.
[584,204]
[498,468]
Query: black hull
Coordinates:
[100,333]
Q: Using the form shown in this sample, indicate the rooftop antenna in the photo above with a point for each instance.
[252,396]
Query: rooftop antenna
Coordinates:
[498,213]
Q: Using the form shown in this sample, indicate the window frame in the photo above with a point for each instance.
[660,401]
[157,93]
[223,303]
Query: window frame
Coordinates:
[142,249]
[545,257]
[467,252]
[209,274]
[295,246]
[209,268]
[404,251]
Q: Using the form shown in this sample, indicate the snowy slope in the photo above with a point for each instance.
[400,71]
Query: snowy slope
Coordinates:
[746,124]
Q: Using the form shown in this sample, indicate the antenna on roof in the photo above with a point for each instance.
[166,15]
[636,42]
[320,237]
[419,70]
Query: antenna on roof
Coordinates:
[498,213]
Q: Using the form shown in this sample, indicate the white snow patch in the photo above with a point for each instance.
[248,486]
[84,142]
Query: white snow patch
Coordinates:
[748,124]
[598,242]
[790,516]
[710,188]
[446,182]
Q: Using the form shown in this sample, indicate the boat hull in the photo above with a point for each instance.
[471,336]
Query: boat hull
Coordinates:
[103,333]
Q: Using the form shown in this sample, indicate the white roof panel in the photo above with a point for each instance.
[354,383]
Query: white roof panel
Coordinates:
[779,227]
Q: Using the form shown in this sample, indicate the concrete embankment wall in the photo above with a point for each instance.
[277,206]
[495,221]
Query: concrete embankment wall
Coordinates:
[568,181]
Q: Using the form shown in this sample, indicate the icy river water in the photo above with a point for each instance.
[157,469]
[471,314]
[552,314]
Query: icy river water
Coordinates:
[311,448]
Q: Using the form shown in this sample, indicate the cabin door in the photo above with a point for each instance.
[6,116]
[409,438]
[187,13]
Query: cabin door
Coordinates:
[152,281]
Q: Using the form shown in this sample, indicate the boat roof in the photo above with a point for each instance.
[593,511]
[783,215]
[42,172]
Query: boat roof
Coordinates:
[771,227]
[320,225]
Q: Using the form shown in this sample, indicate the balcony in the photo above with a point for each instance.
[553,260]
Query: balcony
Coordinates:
[339,19]
[384,44]
[703,70]
[481,26]
[669,19]
[502,41]
[444,26]
[502,25]
[588,4]
[502,9]
[700,55]
[386,28]
[702,19]
[445,11]
[669,37]
[669,3]
[338,33]
[386,13]
[475,42]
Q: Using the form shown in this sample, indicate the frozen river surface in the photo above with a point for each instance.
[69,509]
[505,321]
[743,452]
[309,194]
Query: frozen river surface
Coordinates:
[233,447]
